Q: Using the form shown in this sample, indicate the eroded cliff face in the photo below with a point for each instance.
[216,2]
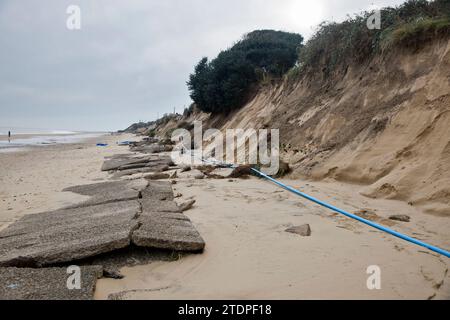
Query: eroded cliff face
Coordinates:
[384,124]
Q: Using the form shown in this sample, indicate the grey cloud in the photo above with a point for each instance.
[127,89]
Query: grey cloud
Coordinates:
[131,59]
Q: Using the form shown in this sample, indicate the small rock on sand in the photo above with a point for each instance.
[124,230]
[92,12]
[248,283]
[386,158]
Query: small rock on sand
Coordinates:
[304,230]
[400,217]
[186,205]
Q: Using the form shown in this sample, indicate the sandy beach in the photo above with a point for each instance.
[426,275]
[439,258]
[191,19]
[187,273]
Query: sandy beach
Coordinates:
[248,254]
[31,178]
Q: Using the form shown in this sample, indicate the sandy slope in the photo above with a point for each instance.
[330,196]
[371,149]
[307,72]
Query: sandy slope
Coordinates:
[250,256]
[384,124]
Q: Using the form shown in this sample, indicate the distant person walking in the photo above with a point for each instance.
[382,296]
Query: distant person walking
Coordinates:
[9,136]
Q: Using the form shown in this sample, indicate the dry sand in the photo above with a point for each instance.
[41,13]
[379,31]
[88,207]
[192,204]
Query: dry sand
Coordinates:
[31,179]
[248,254]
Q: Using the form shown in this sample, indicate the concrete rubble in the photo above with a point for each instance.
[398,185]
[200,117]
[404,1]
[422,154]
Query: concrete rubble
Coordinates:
[117,215]
[47,283]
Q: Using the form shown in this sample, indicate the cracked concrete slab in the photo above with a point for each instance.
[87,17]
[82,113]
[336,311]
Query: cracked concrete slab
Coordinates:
[158,196]
[116,162]
[127,163]
[162,224]
[107,192]
[68,234]
[108,221]
[167,231]
[47,283]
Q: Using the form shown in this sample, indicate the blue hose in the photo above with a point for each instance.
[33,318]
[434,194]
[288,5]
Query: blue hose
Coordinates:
[353,216]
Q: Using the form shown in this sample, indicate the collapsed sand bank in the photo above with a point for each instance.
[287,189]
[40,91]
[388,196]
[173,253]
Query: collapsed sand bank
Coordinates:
[382,124]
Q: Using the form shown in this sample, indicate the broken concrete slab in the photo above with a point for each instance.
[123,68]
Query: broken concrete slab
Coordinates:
[160,190]
[152,204]
[242,171]
[108,221]
[152,148]
[130,172]
[115,163]
[167,231]
[68,234]
[162,224]
[107,192]
[47,283]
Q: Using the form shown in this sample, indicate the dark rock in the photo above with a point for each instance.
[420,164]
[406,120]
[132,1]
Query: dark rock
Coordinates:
[241,171]
[304,230]
[283,169]
[112,273]
[46,283]
[400,217]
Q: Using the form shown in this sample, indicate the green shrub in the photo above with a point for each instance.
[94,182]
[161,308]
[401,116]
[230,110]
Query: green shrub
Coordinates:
[224,83]
[336,45]
[413,34]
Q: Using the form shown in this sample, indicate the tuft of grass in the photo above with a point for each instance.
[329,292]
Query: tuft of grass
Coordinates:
[413,34]
[335,46]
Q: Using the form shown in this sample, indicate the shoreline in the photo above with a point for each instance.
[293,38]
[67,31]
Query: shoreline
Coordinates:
[30,141]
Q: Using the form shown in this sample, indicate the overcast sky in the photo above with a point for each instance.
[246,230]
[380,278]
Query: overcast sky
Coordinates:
[131,58]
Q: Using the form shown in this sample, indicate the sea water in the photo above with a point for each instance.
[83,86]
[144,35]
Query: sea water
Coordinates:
[25,137]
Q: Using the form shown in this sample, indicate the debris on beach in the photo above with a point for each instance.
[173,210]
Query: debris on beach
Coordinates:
[401,218]
[303,230]
[118,215]
[47,283]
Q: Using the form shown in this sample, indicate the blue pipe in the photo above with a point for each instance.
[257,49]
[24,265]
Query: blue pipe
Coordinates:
[353,216]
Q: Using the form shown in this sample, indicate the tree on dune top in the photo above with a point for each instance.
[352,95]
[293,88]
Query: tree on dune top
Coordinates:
[224,83]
